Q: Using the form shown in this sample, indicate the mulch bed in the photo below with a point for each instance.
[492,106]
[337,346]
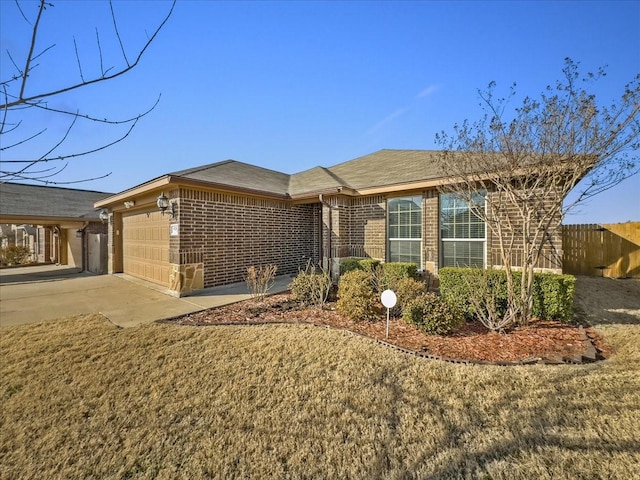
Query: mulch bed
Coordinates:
[541,341]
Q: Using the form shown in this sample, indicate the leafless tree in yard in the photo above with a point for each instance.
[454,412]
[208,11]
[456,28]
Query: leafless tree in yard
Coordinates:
[525,166]
[20,95]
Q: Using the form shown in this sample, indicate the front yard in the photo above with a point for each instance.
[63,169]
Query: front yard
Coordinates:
[80,398]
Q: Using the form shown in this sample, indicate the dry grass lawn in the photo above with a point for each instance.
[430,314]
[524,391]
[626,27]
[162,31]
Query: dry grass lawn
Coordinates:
[82,399]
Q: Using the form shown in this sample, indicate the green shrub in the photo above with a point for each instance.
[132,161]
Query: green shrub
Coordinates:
[356,296]
[368,264]
[350,264]
[553,296]
[552,293]
[407,290]
[312,286]
[15,255]
[432,314]
[396,271]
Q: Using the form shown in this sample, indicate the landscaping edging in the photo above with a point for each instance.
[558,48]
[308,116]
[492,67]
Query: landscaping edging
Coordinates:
[589,355]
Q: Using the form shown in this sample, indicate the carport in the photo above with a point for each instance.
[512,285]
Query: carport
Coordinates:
[59,225]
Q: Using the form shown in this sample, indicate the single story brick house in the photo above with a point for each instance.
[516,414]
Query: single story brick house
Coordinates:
[221,218]
[59,225]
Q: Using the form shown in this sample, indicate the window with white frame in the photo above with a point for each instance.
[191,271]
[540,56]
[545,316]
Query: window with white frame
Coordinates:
[405,229]
[462,232]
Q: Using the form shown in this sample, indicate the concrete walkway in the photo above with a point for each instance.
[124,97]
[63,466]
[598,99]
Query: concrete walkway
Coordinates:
[33,294]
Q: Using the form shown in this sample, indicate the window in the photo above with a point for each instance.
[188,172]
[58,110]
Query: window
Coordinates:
[462,232]
[405,229]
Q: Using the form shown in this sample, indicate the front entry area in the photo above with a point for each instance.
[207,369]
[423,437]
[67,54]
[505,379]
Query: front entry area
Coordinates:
[145,246]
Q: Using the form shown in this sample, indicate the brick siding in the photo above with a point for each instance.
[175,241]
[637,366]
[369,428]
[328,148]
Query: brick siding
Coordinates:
[359,229]
[551,256]
[228,233]
[368,227]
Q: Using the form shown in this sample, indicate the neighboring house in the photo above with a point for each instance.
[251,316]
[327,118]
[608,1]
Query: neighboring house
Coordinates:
[223,217]
[59,225]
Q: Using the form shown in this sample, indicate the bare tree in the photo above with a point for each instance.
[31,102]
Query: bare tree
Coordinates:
[19,98]
[527,164]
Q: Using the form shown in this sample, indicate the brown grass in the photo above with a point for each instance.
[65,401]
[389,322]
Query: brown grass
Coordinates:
[82,399]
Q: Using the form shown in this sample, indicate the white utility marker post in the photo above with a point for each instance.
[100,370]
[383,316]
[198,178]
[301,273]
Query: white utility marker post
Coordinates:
[389,300]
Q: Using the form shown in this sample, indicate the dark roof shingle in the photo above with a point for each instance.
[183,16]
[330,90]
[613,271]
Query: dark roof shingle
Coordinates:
[239,175]
[48,201]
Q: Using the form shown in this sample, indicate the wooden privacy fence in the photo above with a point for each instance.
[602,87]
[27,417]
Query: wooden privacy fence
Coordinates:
[607,250]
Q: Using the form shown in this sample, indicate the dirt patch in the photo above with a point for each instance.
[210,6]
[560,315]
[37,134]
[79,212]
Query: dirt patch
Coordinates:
[598,301]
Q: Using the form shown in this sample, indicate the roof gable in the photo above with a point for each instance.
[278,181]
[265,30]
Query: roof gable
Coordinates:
[240,175]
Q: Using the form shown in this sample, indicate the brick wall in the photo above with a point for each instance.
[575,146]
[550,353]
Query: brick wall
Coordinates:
[368,227]
[551,257]
[430,230]
[363,233]
[228,233]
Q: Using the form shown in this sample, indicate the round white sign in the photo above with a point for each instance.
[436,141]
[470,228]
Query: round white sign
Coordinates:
[389,298]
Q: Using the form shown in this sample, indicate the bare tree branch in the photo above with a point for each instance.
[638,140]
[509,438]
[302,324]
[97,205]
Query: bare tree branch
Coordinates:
[115,27]
[21,99]
[14,99]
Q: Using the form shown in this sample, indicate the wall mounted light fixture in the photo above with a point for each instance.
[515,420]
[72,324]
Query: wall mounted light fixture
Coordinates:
[104,215]
[165,205]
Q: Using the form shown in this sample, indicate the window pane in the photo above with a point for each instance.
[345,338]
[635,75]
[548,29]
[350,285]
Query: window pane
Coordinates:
[405,229]
[404,251]
[476,230]
[458,222]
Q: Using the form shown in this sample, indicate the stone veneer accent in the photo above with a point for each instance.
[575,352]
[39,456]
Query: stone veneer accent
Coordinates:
[186,278]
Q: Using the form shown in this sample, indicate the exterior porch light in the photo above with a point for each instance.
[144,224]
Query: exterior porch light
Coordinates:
[164,204]
[104,215]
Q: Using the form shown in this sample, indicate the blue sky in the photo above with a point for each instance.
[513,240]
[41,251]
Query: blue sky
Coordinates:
[292,85]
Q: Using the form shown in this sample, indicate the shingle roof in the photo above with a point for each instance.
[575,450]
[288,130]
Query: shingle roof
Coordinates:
[47,201]
[385,167]
[388,167]
[316,179]
[239,175]
[379,169]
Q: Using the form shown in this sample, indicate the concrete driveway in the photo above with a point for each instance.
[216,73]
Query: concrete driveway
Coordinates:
[33,294]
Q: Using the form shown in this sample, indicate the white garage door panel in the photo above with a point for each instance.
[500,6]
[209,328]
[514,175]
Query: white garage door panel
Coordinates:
[146,246]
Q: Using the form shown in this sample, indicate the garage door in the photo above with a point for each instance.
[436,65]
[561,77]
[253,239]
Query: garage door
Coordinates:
[146,246]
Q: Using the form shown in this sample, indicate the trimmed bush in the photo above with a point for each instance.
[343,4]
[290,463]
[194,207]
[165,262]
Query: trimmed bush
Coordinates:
[407,290]
[350,264]
[432,314]
[368,264]
[15,255]
[396,271]
[312,286]
[553,296]
[552,293]
[356,296]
